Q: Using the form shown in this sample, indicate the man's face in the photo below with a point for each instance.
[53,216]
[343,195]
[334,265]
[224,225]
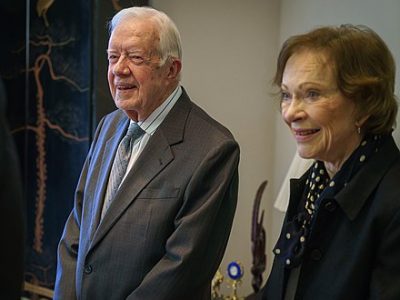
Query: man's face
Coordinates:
[137,83]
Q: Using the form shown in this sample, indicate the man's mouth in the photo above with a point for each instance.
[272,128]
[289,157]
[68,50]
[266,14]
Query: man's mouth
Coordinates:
[123,87]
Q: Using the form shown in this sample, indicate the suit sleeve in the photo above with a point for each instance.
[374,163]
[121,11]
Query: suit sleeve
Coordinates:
[386,273]
[65,285]
[202,228]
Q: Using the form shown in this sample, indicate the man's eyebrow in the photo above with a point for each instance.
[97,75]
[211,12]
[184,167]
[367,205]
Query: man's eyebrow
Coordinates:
[127,51]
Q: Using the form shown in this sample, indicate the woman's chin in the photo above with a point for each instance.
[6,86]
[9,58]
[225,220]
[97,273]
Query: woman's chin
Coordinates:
[305,154]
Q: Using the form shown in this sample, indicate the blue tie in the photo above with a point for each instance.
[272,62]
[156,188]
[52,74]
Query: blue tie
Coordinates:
[120,164]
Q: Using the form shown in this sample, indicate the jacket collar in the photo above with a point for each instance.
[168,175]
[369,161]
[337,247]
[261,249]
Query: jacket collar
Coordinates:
[353,196]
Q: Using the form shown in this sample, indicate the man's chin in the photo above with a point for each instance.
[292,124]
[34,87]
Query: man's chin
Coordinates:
[125,104]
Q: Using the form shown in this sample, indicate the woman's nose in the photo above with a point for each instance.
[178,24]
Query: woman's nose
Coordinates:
[293,110]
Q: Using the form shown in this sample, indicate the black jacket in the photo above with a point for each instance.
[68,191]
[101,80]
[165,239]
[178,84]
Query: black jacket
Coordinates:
[353,251]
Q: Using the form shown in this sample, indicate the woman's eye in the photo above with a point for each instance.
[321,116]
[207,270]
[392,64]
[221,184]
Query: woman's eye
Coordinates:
[285,96]
[312,95]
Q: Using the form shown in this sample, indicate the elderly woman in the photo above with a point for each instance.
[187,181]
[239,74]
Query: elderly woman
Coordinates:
[341,234]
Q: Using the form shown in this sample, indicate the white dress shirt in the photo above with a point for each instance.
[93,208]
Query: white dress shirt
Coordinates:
[150,125]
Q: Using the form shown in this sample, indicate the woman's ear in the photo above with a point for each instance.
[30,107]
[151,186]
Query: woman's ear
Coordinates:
[361,121]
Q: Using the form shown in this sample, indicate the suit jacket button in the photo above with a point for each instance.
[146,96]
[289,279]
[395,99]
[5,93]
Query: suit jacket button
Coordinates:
[330,206]
[316,254]
[88,269]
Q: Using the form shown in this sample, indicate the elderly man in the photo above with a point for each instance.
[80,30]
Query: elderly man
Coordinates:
[156,198]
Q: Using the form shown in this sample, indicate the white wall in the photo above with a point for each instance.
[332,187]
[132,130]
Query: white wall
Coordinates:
[229,53]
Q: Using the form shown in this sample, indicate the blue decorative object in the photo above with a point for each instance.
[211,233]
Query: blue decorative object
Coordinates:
[235,270]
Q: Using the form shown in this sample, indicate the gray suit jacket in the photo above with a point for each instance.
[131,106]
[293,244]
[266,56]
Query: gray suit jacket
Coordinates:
[165,233]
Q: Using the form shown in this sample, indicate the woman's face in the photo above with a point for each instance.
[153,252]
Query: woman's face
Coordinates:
[320,118]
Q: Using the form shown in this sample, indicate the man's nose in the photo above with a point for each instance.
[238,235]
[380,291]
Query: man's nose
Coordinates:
[121,66]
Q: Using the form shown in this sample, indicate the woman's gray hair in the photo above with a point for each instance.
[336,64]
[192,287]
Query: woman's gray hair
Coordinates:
[170,40]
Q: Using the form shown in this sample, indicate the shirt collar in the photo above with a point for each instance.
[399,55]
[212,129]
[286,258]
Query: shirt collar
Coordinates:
[151,123]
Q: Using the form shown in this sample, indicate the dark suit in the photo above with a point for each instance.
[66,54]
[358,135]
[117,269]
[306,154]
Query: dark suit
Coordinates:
[165,233]
[11,221]
[354,249]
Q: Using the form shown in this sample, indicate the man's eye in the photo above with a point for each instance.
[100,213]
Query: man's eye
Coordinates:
[112,58]
[137,60]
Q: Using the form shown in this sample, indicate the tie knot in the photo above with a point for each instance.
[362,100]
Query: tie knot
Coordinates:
[134,131]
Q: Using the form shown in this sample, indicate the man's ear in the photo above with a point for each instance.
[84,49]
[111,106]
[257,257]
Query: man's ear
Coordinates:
[174,68]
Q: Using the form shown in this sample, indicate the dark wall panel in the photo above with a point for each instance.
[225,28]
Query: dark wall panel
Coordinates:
[53,63]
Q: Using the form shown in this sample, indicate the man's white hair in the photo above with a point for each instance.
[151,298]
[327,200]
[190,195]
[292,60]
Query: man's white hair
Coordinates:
[170,40]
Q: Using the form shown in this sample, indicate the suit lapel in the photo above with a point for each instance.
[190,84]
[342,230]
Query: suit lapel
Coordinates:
[155,157]
[104,171]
